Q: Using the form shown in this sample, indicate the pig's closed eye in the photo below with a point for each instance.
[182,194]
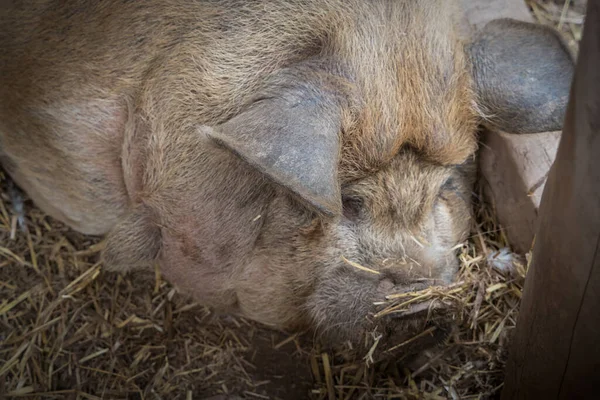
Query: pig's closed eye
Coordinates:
[352,207]
[448,186]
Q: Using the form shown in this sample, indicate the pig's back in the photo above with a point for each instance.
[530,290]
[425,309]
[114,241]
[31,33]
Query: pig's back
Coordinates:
[66,78]
[73,74]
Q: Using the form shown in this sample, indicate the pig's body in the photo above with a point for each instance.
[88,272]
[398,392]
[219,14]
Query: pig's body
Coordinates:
[222,137]
[75,76]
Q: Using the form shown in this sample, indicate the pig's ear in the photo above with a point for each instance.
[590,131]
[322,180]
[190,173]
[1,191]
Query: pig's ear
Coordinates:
[523,75]
[293,139]
[133,243]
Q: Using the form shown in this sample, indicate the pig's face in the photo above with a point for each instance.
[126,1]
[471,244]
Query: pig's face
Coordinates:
[337,183]
[247,246]
[401,223]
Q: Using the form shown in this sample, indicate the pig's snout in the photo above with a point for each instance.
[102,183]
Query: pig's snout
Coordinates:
[414,325]
[348,307]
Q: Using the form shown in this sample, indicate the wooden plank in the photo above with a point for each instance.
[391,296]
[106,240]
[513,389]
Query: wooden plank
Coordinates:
[477,13]
[555,352]
[480,12]
[514,169]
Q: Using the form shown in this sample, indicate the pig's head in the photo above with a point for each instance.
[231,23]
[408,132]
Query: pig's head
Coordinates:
[333,187]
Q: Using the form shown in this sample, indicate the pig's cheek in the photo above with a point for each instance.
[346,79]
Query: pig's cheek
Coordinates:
[200,280]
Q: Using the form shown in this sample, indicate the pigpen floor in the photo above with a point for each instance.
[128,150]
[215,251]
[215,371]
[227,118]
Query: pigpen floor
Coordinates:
[69,330]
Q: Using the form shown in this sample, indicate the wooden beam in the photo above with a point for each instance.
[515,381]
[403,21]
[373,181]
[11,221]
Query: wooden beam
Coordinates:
[555,352]
[476,13]
[480,12]
[514,169]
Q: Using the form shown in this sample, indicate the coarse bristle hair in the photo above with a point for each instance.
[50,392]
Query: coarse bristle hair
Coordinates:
[68,329]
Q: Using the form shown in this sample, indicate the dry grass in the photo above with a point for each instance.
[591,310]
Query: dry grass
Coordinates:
[70,330]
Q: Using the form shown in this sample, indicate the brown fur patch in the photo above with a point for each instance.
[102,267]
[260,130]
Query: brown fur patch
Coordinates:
[100,105]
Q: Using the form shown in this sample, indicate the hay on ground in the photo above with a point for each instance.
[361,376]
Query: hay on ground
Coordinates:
[69,330]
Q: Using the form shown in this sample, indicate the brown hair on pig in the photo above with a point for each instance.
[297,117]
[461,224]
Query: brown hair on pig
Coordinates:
[383,89]
[249,145]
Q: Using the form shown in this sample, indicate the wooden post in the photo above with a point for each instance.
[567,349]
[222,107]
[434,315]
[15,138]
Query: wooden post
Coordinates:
[514,169]
[555,352]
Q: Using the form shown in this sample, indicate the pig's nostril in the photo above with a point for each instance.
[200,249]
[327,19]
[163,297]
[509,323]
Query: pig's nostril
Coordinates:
[386,285]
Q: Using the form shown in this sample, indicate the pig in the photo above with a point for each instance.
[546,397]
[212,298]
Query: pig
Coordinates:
[262,152]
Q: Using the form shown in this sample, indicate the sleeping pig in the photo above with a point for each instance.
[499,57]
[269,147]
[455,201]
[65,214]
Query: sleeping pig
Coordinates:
[261,151]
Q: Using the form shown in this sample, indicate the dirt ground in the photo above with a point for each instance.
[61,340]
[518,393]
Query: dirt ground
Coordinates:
[69,330]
